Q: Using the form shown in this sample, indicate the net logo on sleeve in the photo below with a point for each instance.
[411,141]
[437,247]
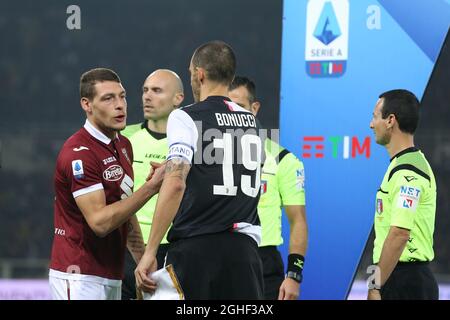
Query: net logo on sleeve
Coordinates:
[408,198]
[300,179]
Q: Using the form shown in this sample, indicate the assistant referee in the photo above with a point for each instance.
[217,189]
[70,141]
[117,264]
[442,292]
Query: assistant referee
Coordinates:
[405,205]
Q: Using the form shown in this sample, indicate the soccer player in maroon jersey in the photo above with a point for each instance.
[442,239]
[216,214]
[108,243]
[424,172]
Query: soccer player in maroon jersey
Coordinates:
[95,204]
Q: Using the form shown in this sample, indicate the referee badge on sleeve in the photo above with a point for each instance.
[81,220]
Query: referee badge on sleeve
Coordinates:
[263,186]
[379,206]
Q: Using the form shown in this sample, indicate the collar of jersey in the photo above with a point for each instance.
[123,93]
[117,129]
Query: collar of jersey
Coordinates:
[155,135]
[221,98]
[407,150]
[96,133]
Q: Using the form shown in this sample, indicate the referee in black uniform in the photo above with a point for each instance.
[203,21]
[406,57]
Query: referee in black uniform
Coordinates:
[210,189]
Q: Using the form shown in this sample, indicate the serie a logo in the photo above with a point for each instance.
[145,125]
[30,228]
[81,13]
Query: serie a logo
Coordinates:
[326,48]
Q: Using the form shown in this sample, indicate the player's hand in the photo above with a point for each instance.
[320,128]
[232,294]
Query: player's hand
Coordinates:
[373,294]
[139,295]
[289,290]
[146,266]
[156,175]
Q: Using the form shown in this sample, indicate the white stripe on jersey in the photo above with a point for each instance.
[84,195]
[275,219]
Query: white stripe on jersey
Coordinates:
[86,190]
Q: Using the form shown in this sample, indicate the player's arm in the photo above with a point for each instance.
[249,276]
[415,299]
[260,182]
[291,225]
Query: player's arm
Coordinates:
[392,249]
[402,220]
[135,242]
[169,200]
[182,137]
[290,177]
[298,242]
[103,219]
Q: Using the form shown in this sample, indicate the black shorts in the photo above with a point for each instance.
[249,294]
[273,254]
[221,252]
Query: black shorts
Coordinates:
[218,266]
[129,281]
[411,281]
[273,271]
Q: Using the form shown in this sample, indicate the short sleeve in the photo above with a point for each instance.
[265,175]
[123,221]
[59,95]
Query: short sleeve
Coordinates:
[406,190]
[291,180]
[182,136]
[83,171]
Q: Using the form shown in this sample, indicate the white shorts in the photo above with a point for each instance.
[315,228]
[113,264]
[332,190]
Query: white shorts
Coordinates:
[68,288]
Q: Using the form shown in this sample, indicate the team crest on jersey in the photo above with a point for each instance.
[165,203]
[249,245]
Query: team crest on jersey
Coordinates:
[379,206]
[408,198]
[263,186]
[113,173]
[300,179]
[124,151]
[77,169]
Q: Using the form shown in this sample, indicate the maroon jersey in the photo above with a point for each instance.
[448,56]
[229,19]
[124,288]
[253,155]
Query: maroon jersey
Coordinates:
[90,161]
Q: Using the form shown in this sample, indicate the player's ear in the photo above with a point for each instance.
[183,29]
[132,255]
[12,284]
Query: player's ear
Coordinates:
[201,74]
[255,107]
[86,105]
[178,99]
[391,120]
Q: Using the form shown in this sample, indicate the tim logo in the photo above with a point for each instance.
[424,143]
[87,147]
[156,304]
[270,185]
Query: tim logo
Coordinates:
[326,38]
[344,147]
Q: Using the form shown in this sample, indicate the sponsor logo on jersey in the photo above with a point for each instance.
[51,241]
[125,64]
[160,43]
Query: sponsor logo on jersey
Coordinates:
[300,179]
[379,206]
[109,160]
[410,178]
[60,232]
[155,156]
[326,49]
[408,198]
[113,173]
[77,169]
[80,148]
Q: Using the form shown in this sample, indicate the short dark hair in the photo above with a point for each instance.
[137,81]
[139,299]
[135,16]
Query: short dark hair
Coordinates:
[91,77]
[404,105]
[218,60]
[240,81]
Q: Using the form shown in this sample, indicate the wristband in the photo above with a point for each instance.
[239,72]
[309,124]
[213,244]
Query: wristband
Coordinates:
[295,267]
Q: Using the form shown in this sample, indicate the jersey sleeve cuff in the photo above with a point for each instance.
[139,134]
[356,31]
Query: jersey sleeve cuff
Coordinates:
[86,190]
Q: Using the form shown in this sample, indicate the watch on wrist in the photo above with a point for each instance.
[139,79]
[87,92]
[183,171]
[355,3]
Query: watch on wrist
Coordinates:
[295,276]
